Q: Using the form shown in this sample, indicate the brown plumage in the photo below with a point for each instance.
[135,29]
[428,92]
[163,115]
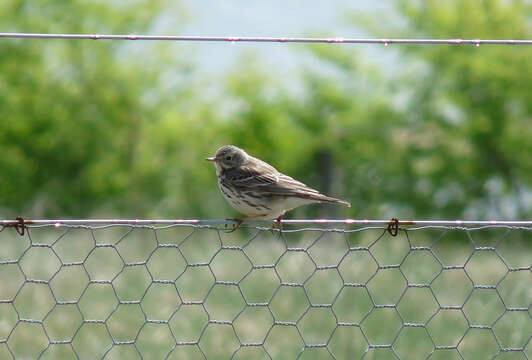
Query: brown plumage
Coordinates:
[256,189]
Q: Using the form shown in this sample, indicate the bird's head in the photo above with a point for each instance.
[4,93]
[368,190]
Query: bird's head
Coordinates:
[228,157]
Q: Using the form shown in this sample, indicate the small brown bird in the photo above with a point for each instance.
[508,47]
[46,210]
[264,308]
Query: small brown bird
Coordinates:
[257,189]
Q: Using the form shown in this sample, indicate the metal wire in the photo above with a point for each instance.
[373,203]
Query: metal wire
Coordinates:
[235,39]
[467,223]
[189,289]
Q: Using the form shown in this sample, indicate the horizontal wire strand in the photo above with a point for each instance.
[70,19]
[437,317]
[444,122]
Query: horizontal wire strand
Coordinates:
[56,222]
[235,39]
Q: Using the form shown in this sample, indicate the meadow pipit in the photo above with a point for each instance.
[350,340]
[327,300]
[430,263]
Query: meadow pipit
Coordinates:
[257,189]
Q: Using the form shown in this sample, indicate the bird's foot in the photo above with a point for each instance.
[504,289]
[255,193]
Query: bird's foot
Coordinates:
[235,226]
[278,223]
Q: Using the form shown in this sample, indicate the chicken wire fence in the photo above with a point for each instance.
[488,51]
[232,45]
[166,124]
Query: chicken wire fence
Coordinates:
[334,290]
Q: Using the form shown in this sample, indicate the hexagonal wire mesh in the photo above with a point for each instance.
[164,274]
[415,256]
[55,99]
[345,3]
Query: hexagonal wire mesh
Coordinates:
[189,291]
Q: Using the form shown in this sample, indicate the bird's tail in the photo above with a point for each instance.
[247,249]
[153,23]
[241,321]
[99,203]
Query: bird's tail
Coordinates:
[327,199]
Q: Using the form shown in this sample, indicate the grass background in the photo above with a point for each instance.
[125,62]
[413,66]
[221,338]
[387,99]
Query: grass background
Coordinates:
[316,294]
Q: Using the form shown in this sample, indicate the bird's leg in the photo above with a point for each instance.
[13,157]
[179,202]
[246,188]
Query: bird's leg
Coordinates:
[238,223]
[279,224]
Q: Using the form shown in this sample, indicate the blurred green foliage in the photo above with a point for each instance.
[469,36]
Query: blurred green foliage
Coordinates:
[118,128]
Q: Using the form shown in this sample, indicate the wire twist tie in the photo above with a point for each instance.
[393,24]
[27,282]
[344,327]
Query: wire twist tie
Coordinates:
[393,227]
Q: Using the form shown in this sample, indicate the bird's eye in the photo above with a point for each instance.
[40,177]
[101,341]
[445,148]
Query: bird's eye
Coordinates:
[228,158]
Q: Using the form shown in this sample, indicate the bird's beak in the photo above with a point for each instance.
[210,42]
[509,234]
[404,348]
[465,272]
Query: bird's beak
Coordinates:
[211,159]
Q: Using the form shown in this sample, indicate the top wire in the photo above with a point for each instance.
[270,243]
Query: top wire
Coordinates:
[235,39]
[364,222]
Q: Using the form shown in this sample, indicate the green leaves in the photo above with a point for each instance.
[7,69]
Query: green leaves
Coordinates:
[103,128]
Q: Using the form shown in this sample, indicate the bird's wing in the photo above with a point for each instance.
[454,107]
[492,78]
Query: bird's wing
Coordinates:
[261,176]
[256,174]
[259,179]
[290,186]
[287,186]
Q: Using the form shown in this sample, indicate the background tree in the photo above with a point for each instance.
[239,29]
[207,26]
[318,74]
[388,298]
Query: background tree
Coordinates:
[119,128]
[73,111]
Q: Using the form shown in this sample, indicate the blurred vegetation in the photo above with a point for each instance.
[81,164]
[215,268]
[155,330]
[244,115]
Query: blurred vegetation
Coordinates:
[111,128]
[119,128]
